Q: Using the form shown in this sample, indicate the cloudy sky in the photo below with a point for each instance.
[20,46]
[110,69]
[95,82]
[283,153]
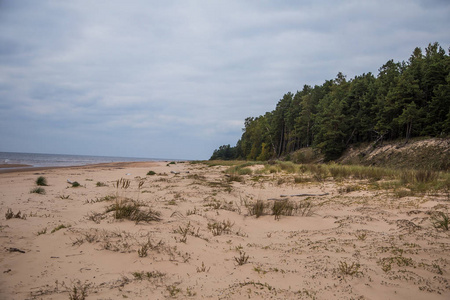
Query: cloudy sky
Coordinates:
[176,79]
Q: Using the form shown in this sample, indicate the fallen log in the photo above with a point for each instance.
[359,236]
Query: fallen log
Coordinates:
[304,195]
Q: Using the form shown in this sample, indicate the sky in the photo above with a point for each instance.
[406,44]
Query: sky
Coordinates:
[176,79]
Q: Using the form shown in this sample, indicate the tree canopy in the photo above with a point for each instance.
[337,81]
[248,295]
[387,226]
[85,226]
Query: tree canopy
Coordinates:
[406,99]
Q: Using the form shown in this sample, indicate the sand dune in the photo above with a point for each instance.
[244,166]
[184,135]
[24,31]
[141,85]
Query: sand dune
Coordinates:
[363,244]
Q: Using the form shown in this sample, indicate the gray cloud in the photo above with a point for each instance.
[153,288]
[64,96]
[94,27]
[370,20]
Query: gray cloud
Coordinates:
[176,79]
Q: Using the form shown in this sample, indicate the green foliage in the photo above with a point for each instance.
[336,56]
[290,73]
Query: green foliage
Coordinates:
[225,152]
[59,227]
[151,173]
[406,99]
[75,184]
[304,156]
[43,231]
[359,172]
[240,169]
[41,181]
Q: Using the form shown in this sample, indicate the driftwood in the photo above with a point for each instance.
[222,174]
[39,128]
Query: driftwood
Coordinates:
[298,195]
[15,250]
[305,195]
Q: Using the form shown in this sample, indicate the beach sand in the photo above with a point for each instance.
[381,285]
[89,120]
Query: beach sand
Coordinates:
[361,244]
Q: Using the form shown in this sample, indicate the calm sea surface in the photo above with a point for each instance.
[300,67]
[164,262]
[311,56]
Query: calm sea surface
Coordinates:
[62,160]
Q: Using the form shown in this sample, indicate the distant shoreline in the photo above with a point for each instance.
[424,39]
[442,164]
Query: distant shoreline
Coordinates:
[6,166]
[18,168]
[21,162]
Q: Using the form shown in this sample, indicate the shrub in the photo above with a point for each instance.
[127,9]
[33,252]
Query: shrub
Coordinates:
[100,184]
[424,176]
[319,172]
[301,179]
[245,171]
[38,190]
[151,173]
[288,167]
[305,155]
[240,169]
[41,181]
[75,184]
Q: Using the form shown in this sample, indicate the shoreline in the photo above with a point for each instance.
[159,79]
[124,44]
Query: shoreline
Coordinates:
[19,168]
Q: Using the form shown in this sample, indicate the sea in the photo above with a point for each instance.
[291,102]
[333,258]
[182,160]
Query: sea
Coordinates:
[63,160]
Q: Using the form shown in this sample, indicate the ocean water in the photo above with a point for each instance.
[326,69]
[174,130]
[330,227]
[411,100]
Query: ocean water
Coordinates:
[62,160]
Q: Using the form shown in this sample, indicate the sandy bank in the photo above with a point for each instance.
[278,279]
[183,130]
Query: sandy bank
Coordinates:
[361,244]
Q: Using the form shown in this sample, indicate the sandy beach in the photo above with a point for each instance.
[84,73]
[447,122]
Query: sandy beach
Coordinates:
[199,237]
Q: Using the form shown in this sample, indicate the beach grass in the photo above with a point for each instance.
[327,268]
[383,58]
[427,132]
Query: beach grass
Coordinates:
[41,181]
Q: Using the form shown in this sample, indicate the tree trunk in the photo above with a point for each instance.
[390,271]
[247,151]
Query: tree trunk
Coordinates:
[280,148]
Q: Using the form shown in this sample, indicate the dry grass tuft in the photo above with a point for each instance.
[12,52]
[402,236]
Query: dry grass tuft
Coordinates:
[440,220]
[131,210]
[10,215]
[219,228]
[242,258]
[347,269]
